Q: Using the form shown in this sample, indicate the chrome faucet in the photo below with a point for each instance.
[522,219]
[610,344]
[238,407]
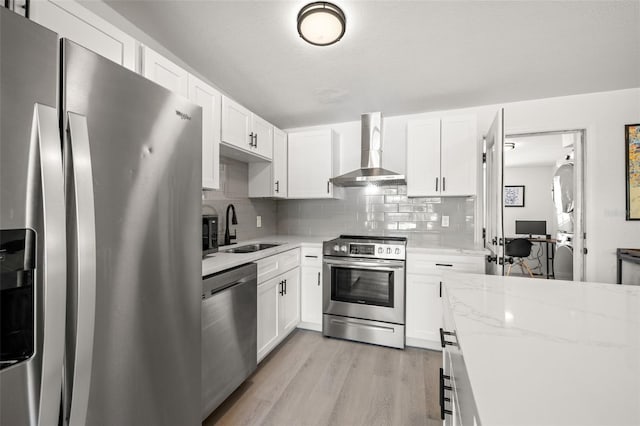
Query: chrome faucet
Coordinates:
[234,221]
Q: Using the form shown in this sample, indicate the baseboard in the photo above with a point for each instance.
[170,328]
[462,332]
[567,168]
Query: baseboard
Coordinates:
[310,326]
[422,343]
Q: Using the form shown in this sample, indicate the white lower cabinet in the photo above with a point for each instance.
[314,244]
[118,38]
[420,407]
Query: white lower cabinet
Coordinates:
[289,311]
[268,318]
[311,289]
[278,299]
[424,306]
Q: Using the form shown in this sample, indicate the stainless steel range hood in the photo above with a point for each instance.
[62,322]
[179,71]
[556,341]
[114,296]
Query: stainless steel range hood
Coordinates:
[370,171]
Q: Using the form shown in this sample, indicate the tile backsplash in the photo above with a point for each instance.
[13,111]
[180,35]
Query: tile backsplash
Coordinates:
[234,189]
[382,211]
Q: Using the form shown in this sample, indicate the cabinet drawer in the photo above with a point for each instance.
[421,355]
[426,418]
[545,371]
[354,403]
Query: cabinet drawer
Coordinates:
[311,256]
[436,264]
[275,265]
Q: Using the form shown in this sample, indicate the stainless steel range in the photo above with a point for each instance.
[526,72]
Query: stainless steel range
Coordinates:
[364,289]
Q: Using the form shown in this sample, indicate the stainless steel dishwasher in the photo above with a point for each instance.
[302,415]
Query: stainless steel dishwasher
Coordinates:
[229,332]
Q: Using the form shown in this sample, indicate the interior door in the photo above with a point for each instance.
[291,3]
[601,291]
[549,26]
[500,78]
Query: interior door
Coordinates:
[494,202]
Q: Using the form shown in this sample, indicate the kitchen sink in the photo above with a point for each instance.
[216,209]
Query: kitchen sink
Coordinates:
[250,248]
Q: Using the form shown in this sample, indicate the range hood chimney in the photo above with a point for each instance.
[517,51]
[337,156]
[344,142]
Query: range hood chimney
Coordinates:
[370,171]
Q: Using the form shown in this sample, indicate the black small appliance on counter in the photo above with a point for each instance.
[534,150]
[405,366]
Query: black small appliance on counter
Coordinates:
[209,234]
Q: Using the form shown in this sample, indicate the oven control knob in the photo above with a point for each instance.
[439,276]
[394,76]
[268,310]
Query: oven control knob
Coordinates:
[380,250]
[336,248]
[343,249]
[388,250]
[397,251]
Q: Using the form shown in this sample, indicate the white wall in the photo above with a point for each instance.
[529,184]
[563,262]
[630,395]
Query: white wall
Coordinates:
[538,204]
[603,115]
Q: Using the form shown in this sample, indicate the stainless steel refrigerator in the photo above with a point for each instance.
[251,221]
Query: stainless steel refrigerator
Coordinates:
[100,177]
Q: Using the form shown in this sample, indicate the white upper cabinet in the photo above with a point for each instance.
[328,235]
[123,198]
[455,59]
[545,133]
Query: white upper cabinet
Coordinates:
[160,70]
[459,155]
[245,131]
[236,124]
[262,136]
[314,158]
[442,157]
[71,20]
[423,158]
[280,178]
[210,100]
[269,180]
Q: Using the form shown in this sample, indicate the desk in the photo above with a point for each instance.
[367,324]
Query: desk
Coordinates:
[550,244]
[627,255]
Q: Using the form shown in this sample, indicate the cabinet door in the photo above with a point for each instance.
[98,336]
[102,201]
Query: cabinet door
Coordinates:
[279,164]
[311,295]
[459,157]
[424,310]
[210,101]
[160,70]
[263,134]
[310,164]
[268,317]
[236,124]
[290,311]
[423,158]
[71,20]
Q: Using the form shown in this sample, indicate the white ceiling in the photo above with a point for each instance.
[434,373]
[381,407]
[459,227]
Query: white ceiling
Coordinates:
[535,151]
[398,56]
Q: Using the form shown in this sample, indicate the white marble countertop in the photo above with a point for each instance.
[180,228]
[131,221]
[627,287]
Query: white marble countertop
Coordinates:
[542,352]
[466,251]
[220,261]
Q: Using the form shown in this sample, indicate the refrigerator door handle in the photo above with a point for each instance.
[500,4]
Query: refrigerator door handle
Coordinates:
[45,142]
[79,171]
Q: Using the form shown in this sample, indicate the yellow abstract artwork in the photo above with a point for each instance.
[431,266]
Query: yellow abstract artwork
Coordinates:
[632,133]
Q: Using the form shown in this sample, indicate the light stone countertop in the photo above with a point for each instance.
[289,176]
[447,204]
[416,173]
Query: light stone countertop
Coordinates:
[220,261]
[541,352]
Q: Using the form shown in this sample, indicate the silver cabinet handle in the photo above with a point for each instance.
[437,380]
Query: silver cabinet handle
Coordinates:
[444,182]
[436,184]
[80,176]
[328,182]
[278,186]
[255,142]
[45,140]
[251,139]
[318,278]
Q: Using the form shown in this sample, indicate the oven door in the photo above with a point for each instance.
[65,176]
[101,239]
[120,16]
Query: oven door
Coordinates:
[370,289]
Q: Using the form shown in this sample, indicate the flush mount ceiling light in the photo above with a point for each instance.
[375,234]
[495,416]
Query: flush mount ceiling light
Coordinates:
[321,23]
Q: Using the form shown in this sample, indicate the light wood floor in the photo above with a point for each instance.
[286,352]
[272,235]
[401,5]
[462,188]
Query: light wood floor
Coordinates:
[314,380]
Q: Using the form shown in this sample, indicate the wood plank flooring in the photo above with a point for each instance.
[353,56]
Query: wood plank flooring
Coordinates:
[314,380]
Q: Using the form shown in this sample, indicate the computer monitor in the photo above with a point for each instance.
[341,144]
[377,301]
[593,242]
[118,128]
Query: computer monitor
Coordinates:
[531,227]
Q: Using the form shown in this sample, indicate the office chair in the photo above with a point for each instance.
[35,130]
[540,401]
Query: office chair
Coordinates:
[520,248]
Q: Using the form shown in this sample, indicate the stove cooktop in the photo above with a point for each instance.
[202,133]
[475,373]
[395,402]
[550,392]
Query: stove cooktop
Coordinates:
[368,246]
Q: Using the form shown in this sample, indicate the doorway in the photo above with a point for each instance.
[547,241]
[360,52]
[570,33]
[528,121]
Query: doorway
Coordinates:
[534,191]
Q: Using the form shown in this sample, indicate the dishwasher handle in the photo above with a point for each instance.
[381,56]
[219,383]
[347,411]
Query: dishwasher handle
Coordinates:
[245,274]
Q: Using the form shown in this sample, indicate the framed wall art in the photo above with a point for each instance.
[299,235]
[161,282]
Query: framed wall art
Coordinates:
[514,196]
[632,167]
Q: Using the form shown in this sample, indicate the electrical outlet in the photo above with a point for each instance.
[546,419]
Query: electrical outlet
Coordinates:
[445,221]
[259,221]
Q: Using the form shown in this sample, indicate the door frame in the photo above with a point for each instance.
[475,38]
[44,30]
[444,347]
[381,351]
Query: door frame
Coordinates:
[579,176]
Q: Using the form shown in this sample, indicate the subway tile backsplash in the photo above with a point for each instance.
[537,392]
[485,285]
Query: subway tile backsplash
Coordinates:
[367,211]
[382,211]
[234,189]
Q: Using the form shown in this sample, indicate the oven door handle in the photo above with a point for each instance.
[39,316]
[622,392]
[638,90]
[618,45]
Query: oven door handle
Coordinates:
[357,263]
